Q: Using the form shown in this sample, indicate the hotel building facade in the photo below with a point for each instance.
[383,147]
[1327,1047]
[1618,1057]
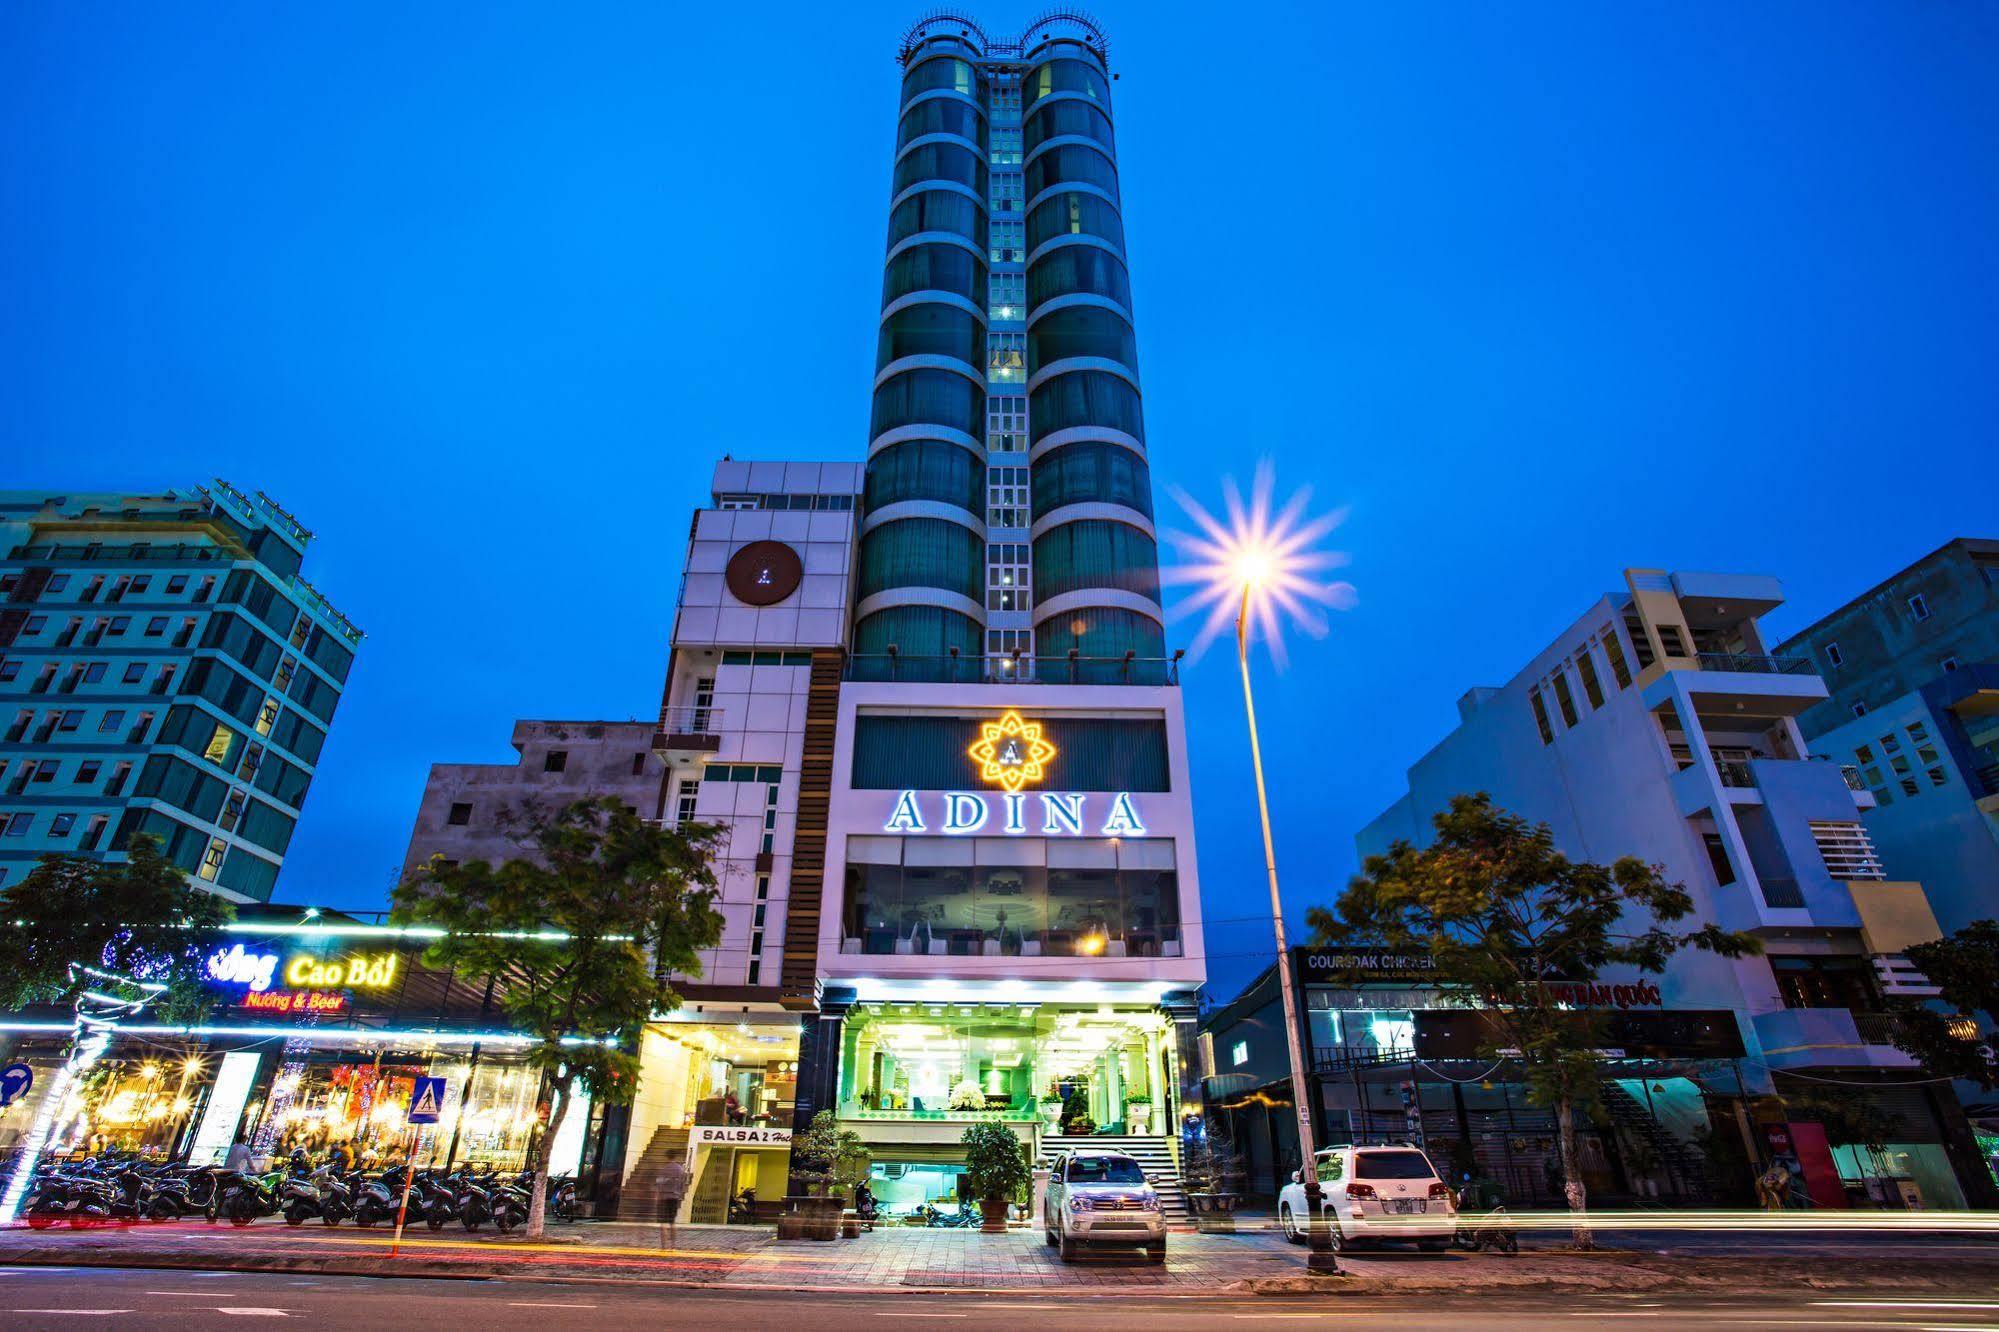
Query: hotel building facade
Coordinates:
[927,695]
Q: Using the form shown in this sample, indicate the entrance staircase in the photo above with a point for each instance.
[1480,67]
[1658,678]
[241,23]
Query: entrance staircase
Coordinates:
[639,1200]
[1683,1166]
[1156,1154]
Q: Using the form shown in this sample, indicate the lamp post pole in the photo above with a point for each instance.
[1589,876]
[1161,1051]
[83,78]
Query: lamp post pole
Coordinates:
[1319,1257]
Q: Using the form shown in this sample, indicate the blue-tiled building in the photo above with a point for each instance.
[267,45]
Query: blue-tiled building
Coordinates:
[165,669]
[1912,673]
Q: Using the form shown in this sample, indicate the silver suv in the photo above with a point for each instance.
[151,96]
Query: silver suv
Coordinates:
[1103,1198]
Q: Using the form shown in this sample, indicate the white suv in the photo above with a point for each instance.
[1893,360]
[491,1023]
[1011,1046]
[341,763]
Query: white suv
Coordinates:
[1103,1198]
[1371,1195]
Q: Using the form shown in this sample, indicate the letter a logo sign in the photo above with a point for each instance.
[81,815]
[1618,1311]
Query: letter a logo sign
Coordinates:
[427,1101]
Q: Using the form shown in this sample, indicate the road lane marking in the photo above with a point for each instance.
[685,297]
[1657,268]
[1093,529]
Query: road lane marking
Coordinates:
[1903,1304]
[81,1313]
[253,1312]
[545,1304]
[198,1294]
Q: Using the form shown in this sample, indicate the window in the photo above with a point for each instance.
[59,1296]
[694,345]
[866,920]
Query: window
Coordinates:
[1670,640]
[1006,296]
[1239,1053]
[143,581]
[1832,654]
[35,624]
[119,624]
[1919,610]
[156,626]
[1005,148]
[1948,664]
[1009,242]
[62,824]
[1890,744]
[86,772]
[1006,496]
[1641,643]
[18,824]
[46,770]
[217,748]
[1717,856]
[1937,777]
[1007,578]
[267,716]
[1006,424]
[211,859]
[177,584]
[684,801]
[110,722]
[555,760]
[71,720]
[1009,190]
[1006,358]
[460,815]
[1860,709]
[93,672]
[638,765]
[1541,717]
[1586,668]
[135,672]
[737,502]
[1003,646]
[1565,700]
[9,671]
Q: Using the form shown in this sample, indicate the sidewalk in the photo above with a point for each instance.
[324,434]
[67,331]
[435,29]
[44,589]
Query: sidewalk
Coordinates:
[751,1258]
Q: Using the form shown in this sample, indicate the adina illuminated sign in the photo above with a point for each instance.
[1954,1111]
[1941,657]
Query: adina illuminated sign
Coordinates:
[1054,814]
[1011,751]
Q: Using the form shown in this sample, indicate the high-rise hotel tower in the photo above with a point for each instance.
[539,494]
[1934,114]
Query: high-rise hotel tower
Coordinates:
[928,696]
[1008,504]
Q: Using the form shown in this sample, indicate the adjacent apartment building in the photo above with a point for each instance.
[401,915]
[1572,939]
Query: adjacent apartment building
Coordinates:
[165,668]
[1912,672]
[1661,725]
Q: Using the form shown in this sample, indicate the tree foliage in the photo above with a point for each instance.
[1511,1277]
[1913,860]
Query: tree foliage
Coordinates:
[828,1158]
[995,1162]
[140,918]
[1507,921]
[1965,968]
[584,930]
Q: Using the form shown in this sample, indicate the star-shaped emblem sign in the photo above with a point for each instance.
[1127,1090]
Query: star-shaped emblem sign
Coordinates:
[1010,752]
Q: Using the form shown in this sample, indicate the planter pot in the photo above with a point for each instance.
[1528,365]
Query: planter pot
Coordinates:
[1214,1213]
[992,1216]
[809,1218]
[1138,1116]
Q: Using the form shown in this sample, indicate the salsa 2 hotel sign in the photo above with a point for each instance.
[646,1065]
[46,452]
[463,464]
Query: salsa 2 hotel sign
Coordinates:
[1012,753]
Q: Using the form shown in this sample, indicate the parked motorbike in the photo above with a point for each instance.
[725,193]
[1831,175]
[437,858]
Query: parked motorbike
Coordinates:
[376,1197]
[242,1198]
[743,1208]
[321,1193]
[435,1199]
[1480,1227]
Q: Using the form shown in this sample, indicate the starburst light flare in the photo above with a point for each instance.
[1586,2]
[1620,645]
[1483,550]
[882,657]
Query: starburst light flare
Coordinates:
[1268,550]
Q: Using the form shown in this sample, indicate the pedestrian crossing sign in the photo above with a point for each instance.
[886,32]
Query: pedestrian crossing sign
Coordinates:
[427,1101]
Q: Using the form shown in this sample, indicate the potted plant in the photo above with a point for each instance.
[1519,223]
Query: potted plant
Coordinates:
[1076,1110]
[995,1170]
[968,1095]
[828,1161]
[1212,1170]
[1051,1112]
[1137,1113]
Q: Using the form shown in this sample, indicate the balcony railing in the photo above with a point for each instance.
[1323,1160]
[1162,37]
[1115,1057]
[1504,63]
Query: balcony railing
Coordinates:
[1126,670]
[1781,893]
[1877,1028]
[690,719]
[1734,772]
[1754,665]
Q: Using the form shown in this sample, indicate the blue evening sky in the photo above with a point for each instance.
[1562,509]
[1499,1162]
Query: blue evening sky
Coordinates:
[1540,291]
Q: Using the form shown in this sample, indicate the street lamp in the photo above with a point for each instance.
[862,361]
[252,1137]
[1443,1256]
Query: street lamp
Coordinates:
[1261,565]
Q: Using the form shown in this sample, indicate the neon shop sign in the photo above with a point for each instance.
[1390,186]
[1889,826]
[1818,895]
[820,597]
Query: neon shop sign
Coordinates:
[1051,814]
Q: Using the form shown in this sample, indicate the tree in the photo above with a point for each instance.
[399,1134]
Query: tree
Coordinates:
[996,1166]
[1507,921]
[829,1159]
[139,918]
[584,929]
[1965,968]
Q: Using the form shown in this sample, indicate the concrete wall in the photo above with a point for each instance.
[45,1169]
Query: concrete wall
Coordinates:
[599,761]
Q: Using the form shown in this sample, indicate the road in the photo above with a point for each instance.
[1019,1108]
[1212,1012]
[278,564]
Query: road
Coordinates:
[71,1297]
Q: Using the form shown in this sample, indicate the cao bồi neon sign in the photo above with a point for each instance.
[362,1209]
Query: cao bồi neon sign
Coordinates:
[1012,753]
[310,977]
